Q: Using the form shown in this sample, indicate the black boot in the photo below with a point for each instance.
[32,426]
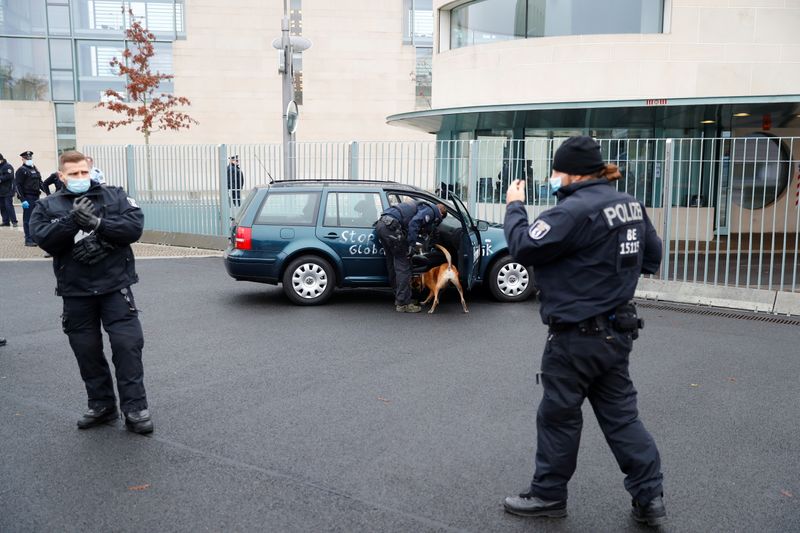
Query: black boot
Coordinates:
[139,422]
[527,504]
[95,417]
[652,514]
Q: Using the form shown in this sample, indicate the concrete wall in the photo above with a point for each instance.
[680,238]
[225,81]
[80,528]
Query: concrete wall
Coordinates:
[356,74]
[29,126]
[712,48]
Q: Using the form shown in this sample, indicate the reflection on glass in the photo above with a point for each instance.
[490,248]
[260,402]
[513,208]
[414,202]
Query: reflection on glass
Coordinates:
[424,77]
[60,53]
[22,17]
[487,21]
[65,114]
[63,85]
[105,17]
[418,21]
[95,74]
[23,69]
[58,20]
[760,170]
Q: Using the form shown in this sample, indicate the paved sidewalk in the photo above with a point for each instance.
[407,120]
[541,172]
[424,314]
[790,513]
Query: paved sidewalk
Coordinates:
[12,248]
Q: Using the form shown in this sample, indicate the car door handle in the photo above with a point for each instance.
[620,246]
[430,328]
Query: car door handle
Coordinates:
[332,235]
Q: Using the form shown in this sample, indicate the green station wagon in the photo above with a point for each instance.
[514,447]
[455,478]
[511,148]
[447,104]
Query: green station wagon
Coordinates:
[312,236]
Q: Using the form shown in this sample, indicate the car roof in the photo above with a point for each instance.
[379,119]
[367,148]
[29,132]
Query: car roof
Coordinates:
[312,183]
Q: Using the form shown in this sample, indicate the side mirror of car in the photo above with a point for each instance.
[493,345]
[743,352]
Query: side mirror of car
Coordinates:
[483,225]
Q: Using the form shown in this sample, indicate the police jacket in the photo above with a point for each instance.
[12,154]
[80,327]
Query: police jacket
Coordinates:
[415,217]
[235,177]
[54,229]
[6,180]
[588,251]
[29,181]
[52,179]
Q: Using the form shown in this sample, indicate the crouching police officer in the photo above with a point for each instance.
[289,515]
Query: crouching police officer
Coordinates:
[398,229]
[88,229]
[588,252]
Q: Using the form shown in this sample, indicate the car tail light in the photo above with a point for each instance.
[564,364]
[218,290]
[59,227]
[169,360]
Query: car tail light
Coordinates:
[244,238]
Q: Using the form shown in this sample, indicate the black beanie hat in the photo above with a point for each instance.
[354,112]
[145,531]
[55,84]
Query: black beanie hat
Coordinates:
[578,156]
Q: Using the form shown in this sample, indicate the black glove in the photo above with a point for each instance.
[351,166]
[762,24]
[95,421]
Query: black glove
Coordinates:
[91,250]
[83,208]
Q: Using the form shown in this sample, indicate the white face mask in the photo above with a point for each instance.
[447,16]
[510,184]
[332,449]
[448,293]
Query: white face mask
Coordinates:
[29,162]
[555,183]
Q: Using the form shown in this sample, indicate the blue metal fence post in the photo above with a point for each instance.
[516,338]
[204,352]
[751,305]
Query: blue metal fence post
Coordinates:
[353,160]
[130,171]
[224,204]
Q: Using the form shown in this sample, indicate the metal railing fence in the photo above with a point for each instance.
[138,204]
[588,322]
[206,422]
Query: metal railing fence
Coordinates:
[726,208]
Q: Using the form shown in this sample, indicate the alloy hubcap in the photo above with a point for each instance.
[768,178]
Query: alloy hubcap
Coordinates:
[309,280]
[513,279]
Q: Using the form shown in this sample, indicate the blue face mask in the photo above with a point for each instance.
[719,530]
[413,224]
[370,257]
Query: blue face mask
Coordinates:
[78,186]
[555,184]
[29,162]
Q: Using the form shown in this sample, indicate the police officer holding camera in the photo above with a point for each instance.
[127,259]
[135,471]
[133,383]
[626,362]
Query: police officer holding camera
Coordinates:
[588,252]
[88,229]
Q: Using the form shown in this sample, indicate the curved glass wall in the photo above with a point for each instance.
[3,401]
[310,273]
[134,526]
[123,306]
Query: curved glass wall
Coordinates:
[485,21]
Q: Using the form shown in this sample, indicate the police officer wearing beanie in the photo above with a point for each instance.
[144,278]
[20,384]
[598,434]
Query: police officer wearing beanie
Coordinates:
[588,252]
[398,229]
[29,188]
[88,229]
[7,193]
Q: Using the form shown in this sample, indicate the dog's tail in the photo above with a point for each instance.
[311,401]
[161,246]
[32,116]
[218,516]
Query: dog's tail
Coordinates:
[446,254]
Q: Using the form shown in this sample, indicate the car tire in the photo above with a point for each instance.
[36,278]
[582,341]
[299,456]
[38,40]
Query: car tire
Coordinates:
[510,281]
[309,280]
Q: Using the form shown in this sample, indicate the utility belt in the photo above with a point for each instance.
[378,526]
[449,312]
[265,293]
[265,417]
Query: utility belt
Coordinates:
[391,223]
[623,318]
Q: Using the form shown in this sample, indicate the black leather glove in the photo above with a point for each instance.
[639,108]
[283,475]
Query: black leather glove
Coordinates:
[83,209]
[90,250]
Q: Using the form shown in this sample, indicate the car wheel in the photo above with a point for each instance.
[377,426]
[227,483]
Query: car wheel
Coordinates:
[510,281]
[309,280]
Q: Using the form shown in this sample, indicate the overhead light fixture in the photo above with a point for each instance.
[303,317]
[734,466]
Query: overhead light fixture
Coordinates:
[707,122]
[741,114]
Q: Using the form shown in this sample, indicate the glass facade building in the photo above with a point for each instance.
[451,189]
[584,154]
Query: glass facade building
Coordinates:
[60,50]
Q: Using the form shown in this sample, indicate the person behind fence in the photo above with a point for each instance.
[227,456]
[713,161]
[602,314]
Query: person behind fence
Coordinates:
[95,173]
[398,229]
[235,180]
[588,252]
[7,212]
[29,187]
[88,228]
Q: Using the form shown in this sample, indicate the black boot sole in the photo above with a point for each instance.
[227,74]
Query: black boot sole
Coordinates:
[541,513]
[140,430]
[99,421]
[655,521]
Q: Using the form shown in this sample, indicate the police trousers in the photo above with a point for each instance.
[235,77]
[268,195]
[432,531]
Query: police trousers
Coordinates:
[578,364]
[26,216]
[398,264]
[7,212]
[81,322]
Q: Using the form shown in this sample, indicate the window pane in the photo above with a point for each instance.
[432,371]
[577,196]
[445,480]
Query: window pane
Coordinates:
[95,75]
[58,20]
[331,211]
[295,209]
[424,77]
[23,69]
[487,21]
[65,114]
[584,17]
[22,17]
[423,22]
[105,17]
[63,85]
[98,17]
[61,53]
[359,210]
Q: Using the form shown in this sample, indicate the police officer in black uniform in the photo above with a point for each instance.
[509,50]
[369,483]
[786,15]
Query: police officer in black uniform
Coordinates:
[88,229]
[7,193]
[398,229]
[29,188]
[53,180]
[235,180]
[588,252]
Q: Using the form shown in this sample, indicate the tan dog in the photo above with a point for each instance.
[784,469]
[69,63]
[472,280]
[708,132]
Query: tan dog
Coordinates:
[436,278]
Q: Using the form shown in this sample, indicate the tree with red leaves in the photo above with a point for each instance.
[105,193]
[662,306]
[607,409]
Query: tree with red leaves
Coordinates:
[149,109]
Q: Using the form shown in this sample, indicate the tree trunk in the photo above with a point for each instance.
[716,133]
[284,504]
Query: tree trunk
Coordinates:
[149,166]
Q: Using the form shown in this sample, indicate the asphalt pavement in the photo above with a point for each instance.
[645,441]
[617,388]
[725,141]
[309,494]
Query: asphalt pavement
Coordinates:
[351,417]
